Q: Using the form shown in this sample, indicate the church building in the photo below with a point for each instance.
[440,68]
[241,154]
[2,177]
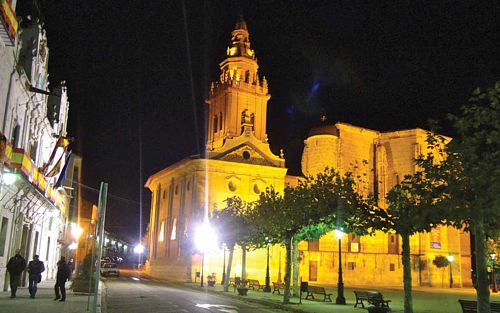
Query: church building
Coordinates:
[239,162]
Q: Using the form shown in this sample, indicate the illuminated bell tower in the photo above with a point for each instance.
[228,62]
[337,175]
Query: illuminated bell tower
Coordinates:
[238,100]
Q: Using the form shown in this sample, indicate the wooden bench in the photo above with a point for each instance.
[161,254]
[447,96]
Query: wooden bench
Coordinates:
[373,297]
[254,283]
[470,306]
[234,281]
[318,290]
[277,287]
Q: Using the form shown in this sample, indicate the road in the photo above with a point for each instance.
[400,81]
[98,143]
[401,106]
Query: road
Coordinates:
[131,293]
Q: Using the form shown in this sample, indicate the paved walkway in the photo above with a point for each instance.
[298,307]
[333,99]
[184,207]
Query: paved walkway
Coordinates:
[44,301]
[425,300]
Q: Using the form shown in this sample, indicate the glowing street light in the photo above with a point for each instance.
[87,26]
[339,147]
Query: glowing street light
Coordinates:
[205,240]
[450,259]
[139,249]
[76,231]
[73,246]
[340,284]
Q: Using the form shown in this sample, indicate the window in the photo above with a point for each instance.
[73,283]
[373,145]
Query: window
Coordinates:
[351,265]
[220,121]
[354,243]
[313,245]
[48,249]
[161,236]
[15,136]
[393,244]
[173,236]
[33,150]
[392,267]
[3,234]
[164,194]
[215,124]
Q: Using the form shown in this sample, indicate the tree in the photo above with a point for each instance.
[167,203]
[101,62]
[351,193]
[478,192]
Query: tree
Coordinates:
[233,228]
[308,211]
[441,262]
[471,175]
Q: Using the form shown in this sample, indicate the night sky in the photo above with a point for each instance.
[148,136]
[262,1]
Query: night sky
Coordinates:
[135,86]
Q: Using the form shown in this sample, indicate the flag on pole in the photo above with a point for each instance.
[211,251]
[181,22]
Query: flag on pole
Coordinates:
[55,163]
[62,174]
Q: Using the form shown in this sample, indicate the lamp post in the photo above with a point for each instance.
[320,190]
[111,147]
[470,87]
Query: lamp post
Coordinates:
[340,284]
[223,264]
[494,287]
[205,240]
[267,287]
[450,260]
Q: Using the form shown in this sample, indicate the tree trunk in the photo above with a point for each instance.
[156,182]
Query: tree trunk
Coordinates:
[483,285]
[295,291]
[288,269]
[408,301]
[228,269]
[243,265]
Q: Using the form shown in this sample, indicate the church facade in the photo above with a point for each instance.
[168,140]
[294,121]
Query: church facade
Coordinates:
[239,162]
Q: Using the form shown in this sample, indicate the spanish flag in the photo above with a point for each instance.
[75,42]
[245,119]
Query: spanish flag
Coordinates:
[55,163]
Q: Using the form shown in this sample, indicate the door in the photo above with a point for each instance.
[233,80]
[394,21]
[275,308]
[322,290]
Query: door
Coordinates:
[313,270]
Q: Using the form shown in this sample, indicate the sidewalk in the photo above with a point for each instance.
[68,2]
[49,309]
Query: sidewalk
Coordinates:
[425,300]
[44,301]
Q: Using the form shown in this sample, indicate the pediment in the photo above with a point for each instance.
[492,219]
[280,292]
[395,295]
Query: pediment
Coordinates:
[244,154]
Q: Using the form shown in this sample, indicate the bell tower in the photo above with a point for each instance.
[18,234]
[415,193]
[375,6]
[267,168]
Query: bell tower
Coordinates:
[238,100]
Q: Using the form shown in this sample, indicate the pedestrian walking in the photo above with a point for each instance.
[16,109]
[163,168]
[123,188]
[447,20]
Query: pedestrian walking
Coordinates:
[15,267]
[63,274]
[35,270]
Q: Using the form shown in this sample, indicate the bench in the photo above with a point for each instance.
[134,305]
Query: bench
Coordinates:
[470,306]
[318,290]
[277,287]
[254,283]
[373,297]
[234,281]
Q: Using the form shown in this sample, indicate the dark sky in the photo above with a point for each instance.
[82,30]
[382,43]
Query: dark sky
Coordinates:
[369,63]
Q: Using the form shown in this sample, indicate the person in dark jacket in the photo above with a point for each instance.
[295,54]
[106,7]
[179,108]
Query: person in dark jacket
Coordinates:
[15,267]
[35,269]
[63,273]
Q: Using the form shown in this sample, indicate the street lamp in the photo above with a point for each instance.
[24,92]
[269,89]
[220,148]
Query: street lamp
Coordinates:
[224,264]
[205,240]
[340,284]
[267,287]
[493,257]
[450,260]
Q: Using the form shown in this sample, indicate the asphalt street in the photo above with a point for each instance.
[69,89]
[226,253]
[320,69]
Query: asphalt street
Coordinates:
[131,293]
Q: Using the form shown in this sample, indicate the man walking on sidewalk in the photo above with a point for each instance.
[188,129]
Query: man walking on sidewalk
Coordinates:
[35,269]
[15,267]
[63,273]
